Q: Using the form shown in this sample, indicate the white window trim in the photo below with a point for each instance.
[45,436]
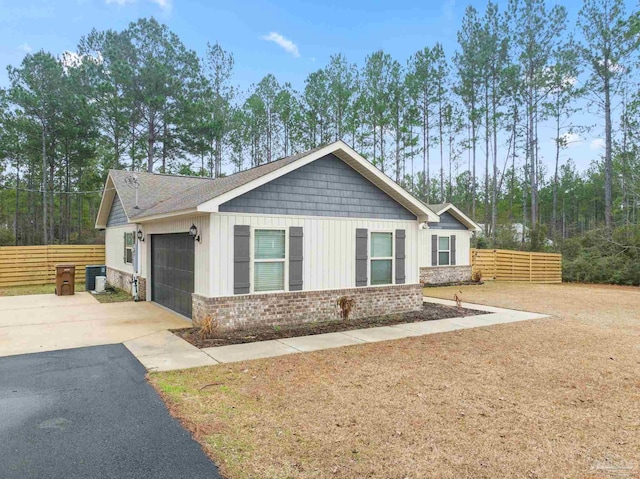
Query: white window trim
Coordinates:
[132,247]
[444,251]
[392,258]
[252,241]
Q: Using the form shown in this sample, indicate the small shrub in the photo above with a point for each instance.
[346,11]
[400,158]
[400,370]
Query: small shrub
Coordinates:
[476,276]
[458,299]
[207,327]
[346,304]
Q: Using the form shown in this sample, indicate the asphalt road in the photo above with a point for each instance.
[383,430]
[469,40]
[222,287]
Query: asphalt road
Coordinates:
[89,413]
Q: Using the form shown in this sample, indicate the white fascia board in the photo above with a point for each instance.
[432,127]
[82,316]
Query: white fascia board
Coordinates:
[469,223]
[108,194]
[161,216]
[349,156]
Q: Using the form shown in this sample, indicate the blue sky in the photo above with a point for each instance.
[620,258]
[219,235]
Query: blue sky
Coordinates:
[307,33]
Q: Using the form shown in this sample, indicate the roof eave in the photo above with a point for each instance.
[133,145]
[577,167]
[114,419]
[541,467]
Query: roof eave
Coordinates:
[349,156]
[108,194]
[468,222]
[160,216]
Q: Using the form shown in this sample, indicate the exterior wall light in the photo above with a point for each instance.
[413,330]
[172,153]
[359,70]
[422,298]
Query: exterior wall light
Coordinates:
[193,232]
[139,235]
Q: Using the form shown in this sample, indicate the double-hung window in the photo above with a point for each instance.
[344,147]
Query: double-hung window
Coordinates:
[444,251]
[128,248]
[269,260]
[381,258]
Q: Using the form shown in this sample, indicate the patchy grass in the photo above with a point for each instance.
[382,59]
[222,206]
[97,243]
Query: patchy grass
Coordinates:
[36,289]
[114,296]
[550,398]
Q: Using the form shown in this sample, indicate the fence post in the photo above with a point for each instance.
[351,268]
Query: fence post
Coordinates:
[530,267]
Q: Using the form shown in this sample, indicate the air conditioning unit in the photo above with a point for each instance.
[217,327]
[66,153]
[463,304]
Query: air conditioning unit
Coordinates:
[91,272]
[101,283]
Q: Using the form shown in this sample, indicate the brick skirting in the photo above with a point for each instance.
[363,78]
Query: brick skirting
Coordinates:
[122,280]
[445,274]
[271,309]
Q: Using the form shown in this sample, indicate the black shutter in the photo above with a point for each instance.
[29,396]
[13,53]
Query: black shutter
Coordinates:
[453,250]
[124,250]
[400,256]
[362,237]
[295,258]
[434,250]
[241,259]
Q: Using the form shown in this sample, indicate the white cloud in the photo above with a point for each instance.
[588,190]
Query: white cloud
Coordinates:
[447,10]
[165,5]
[25,47]
[285,43]
[74,60]
[597,144]
[570,139]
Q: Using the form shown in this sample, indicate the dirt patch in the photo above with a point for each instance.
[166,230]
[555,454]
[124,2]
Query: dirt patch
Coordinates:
[429,312]
[113,295]
[550,398]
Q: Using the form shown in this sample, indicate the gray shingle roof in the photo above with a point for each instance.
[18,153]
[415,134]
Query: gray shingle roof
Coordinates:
[438,207]
[162,194]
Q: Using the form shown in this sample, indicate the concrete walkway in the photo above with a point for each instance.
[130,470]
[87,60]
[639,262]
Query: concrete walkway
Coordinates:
[45,322]
[163,351]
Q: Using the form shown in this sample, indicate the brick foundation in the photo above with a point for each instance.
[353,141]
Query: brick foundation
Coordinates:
[257,310]
[445,274]
[122,280]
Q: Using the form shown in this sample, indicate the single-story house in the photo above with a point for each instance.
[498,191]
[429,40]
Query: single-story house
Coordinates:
[281,242]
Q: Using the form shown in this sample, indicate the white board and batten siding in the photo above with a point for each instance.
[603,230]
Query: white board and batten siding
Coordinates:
[329,247]
[202,248]
[463,245]
[114,247]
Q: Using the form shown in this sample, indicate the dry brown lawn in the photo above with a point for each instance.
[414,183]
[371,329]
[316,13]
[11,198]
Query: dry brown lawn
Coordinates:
[549,398]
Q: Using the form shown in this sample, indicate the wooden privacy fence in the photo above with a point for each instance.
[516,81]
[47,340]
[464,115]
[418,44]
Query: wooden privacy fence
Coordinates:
[507,265]
[32,265]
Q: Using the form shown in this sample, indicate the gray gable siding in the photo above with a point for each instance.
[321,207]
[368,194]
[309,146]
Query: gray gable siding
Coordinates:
[447,222]
[325,187]
[117,216]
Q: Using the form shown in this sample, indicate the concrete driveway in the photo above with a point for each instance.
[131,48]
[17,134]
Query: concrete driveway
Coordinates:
[87,413]
[45,322]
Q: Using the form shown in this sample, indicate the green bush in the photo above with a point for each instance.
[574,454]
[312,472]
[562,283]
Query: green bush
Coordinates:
[599,258]
[6,237]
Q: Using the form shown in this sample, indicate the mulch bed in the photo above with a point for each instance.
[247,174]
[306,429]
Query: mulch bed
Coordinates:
[429,312]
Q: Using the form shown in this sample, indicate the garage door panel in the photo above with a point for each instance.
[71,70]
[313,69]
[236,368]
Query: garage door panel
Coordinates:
[172,271]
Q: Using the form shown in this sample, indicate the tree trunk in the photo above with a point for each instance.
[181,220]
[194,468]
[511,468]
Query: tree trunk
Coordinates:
[494,196]
[17,212]
[554,214]
[151,140]
[473,172]
[487,129]
[608,174]
[532,160]
[45,236]
[441,150]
